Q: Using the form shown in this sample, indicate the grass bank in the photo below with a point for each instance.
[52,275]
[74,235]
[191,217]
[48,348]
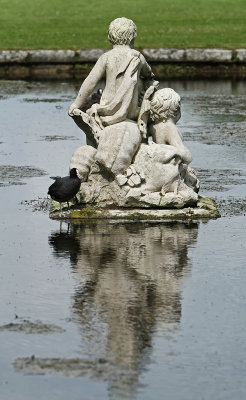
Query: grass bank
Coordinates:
[48,24]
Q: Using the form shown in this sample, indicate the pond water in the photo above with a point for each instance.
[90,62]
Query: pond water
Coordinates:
[121,310]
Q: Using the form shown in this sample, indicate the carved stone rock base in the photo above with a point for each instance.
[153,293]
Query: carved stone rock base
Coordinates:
[206,208]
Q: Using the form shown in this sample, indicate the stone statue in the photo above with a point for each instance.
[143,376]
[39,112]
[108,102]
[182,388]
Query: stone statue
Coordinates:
[135,155]
[126,72]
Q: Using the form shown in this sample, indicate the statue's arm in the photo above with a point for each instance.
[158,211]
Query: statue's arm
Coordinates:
[146,71]
[174,138]
[89,83]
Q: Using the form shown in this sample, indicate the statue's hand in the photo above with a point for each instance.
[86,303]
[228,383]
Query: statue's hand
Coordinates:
[93,110]
[106,120]
[71,109]
[89,111]
[77,111]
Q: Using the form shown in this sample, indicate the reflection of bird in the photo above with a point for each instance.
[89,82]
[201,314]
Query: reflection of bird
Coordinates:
[65,244]
[64,189]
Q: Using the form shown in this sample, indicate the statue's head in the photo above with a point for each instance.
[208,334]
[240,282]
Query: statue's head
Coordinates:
[165,104]
[122,31]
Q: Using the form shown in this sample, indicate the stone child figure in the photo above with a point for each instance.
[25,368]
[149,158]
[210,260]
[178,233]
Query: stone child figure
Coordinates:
[164,162]
[125,71]
[165,113]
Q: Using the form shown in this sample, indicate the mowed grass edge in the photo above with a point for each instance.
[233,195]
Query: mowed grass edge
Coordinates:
[33,24]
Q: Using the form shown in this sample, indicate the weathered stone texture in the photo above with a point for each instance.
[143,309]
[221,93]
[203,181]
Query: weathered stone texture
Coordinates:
[241,55]
[13,56]
[208,55]
[90,55]
[163,55]
[51,56]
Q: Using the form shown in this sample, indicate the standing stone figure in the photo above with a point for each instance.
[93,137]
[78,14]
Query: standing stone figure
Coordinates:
[120,165]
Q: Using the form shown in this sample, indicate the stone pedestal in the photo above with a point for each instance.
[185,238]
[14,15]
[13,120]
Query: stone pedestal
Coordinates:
[206,208]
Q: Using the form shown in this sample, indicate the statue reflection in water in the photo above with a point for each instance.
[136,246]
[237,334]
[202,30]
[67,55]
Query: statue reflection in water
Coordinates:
[129,281]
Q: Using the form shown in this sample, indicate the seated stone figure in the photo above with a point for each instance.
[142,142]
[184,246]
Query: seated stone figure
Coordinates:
[165,113]
[126,74]
[164,162]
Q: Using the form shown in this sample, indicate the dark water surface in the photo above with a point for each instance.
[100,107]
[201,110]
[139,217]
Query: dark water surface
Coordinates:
[112,310]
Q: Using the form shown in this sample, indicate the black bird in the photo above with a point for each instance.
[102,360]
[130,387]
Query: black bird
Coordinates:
[94,98]
[64,189]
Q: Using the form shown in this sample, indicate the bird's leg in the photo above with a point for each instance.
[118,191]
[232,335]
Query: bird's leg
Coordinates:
[67,204]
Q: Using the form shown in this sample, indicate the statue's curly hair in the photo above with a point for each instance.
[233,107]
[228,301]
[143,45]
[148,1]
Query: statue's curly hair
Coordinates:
[122,31]
[165,103]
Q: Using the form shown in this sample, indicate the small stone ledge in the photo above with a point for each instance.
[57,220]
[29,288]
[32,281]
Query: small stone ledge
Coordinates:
[164,55]
[160,55]
[241,55]
[208,55]
[51,56]
[13,56]
[206,209]
[189,55]
[89,55]
[165,63]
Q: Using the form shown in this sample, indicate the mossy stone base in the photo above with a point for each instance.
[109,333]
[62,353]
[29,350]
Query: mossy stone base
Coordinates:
[206,208]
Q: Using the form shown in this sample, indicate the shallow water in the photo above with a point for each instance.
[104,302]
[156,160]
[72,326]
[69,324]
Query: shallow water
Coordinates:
[111,310]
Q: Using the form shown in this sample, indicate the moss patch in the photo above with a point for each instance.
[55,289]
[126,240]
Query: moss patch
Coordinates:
[80,212]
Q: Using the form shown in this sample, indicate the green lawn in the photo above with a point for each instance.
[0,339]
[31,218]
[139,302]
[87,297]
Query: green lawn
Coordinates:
[83,23]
